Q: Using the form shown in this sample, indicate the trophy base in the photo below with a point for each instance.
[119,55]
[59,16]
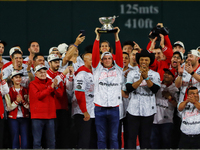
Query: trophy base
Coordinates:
[108,31]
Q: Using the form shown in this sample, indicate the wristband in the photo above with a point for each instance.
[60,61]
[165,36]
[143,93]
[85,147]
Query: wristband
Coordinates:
[146,79]
[192,73]
[29,71]
[75,45]
[56,88]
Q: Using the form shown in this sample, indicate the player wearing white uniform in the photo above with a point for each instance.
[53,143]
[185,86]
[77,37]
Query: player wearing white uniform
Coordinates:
[72,54]
[142,85]
[83,105]
[107,92]
[163,120]
[189,75]
[190,125]
[17,64]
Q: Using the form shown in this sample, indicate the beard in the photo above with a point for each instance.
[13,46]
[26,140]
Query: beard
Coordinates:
[55,69]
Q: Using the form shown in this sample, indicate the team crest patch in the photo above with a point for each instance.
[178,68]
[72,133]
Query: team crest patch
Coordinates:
[78,86]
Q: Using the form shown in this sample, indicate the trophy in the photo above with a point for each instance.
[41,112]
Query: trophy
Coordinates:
[107,24]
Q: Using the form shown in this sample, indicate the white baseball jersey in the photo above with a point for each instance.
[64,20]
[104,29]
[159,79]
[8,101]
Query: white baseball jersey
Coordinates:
[4,61]
[84,82]
[186,80]
[124,105]
[165,109]
[190,124]
[142,102]
[107,89]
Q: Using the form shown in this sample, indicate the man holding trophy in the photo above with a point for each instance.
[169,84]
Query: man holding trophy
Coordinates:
[107,91]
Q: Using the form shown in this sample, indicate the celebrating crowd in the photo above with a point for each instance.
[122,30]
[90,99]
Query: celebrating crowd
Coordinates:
[150,95]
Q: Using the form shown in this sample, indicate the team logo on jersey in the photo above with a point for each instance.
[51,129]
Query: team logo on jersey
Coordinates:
[109,74]
[108,84]
[91,95]
[78,86]
[136,77]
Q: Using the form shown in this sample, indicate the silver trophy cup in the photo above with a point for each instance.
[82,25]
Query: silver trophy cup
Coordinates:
[107,24]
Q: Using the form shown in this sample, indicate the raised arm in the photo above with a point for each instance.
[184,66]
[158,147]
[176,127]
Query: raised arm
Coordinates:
[166,48]
[118,52]
[95,50]
[178,81]
[73,48]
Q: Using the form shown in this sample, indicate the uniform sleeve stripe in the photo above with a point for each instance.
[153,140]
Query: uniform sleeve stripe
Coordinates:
[129,82]
[118,66]
[79,90]
[16,102]
[178,107]
[157,84]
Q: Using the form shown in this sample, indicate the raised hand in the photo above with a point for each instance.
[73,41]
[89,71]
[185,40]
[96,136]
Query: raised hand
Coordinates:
[188,67]
[153,44]
[160,24]
[136,46]
[162,41]
[117,33]
[97,33]
[29,64]
[149,37]
[180,69]
[79,39]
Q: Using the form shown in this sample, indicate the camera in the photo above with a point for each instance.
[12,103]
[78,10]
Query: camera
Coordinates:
[158,30]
